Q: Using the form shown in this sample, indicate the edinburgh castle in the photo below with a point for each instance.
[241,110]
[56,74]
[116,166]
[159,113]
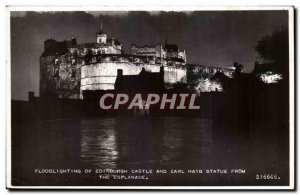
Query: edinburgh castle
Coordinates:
[67,68]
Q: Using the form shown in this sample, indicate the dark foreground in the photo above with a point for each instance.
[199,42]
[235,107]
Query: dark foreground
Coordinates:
[171,143]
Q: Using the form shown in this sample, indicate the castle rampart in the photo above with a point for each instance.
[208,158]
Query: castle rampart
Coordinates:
[68,68]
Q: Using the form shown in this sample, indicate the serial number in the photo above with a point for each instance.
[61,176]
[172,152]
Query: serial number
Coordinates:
[267,176]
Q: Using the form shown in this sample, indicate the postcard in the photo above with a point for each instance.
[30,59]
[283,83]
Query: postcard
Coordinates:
[169,98]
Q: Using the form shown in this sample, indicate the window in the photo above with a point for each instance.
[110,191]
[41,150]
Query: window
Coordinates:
[73,74]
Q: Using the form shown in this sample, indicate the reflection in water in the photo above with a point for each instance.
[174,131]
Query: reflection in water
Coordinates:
[142,143]
[145,142]
[187,141]
[98,143]
[172,141]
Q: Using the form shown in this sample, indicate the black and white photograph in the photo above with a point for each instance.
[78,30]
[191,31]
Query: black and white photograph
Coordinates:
[165,98]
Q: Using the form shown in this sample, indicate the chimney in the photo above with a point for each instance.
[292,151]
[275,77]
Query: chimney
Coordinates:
[162,76]
[112,41]
[235,64]
[30,96]
[256,64]
[120,72]
[162,70]
[73,41]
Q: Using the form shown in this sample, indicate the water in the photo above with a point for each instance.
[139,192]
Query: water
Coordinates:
[142,143]
[165,141]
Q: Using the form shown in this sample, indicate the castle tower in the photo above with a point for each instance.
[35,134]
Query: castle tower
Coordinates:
[101,37]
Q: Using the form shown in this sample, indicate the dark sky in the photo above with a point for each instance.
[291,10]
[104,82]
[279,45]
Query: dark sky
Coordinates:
[212,38]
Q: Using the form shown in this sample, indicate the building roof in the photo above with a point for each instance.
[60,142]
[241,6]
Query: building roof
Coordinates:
[144,81]
[171,47]
[219,76]
[117,42]
[146,46]
[209,67]
[101,32]
[177,59]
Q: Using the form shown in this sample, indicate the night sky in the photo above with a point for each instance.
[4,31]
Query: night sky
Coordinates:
[212,38]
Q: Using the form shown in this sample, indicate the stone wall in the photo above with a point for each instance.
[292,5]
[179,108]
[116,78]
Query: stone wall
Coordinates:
[60,76]
[66,76]
[102,76]
[95,49]
[200,69]
[156,51]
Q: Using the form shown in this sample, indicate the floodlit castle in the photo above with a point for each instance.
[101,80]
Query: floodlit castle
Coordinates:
[67,68]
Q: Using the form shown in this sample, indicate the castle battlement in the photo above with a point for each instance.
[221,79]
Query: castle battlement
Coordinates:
[67,68]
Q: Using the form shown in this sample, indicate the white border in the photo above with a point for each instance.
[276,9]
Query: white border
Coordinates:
[290,9]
